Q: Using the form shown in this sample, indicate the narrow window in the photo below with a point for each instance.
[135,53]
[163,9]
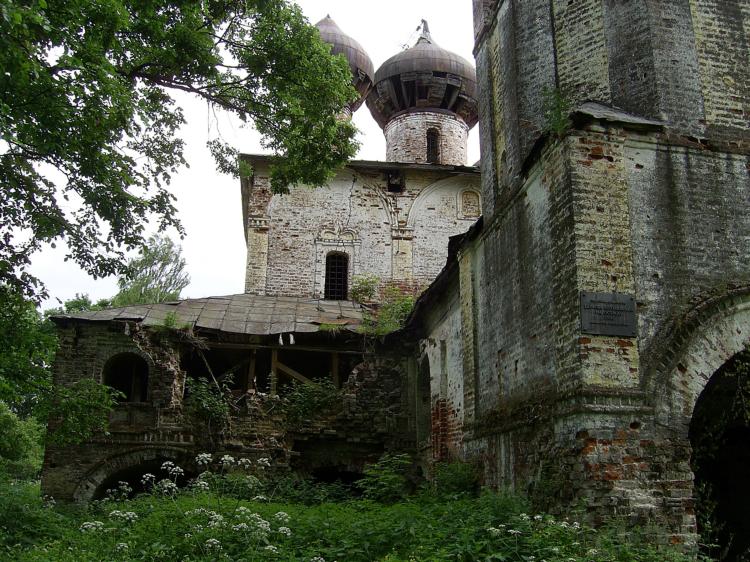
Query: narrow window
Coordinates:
[433,146]
[337,276]
[127,373]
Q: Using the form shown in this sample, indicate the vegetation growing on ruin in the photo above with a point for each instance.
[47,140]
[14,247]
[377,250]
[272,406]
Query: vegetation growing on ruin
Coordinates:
[304,403]
[364,288]
[556,109]
[391,312]
[199,523]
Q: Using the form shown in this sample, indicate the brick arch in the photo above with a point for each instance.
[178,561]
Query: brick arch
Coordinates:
[699,345]
[92,481]
[119,350]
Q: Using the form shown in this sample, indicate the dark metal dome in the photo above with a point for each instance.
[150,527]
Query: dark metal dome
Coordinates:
[363,70]
[427,78]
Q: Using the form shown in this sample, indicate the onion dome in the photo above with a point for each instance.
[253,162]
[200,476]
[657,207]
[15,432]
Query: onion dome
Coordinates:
[360,63]
[425,77]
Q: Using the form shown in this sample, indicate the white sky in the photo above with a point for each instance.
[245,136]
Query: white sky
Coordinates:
[209,204]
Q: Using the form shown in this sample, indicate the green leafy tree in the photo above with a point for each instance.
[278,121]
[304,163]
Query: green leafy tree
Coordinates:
[27,346]
[157,275]
[88,129]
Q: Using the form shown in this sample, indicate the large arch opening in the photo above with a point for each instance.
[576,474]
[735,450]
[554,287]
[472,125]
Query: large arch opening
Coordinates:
[130,467]
[720,439]
[128,374]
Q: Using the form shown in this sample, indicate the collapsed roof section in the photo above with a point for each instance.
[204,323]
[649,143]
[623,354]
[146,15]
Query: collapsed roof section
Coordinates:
[236,314]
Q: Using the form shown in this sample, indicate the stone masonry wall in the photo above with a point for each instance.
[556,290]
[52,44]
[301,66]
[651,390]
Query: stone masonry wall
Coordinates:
[667,60]
[406,138]
[396,236]
[372,417]
[444,351]
[565,415]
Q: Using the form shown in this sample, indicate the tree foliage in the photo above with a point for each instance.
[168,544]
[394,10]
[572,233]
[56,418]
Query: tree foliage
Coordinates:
[156,275]
[27,346]
[88,129]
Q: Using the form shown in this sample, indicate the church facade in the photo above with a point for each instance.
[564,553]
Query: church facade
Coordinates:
[578,341]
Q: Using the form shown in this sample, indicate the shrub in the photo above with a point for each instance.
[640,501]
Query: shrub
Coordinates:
[364,288]
[455,479]
[306,402]
[21,451]
[208,402]
[387,480]
[391,315]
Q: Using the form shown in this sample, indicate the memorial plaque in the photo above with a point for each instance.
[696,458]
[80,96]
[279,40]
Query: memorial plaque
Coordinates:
[608,314]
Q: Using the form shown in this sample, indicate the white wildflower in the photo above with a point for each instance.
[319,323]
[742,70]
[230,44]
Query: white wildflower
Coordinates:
[124,516]
[272,549]
[524,516]
[167,465]
[203,459]
[176,471]
[592,552]
[201,486]
[91,526]
[245,464]
[121,547]
[213,544]
[513,532]
[494,531]
[260,498]
[538,517]
[166,487]
[286,531]
[227,460]
[317,559]
[215,520]
[240,527]
[264,462]
[148,479]
[282,517]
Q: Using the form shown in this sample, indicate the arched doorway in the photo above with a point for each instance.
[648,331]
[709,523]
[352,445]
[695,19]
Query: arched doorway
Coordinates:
[720,440]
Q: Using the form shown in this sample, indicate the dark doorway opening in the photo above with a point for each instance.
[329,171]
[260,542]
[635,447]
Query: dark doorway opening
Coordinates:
[133,476]
[720,439]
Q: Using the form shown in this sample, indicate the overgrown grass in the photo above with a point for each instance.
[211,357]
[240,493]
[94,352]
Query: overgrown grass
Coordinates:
[198,525]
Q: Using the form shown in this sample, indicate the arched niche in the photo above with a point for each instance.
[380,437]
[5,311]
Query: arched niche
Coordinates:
[127,373]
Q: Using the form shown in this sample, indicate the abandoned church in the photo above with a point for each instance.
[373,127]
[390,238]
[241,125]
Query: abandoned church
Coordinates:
[584,290]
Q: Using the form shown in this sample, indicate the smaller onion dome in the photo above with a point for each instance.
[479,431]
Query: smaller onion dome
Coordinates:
[425,77]
[360,63]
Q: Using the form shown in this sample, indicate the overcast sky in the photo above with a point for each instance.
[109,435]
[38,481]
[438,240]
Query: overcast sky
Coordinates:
[209,203]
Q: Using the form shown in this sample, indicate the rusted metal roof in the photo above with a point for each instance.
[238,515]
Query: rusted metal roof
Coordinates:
[424,77]
[363,71]
[236,314]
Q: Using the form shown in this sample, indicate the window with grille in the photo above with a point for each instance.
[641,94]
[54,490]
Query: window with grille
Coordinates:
[337,276]
[433,146]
